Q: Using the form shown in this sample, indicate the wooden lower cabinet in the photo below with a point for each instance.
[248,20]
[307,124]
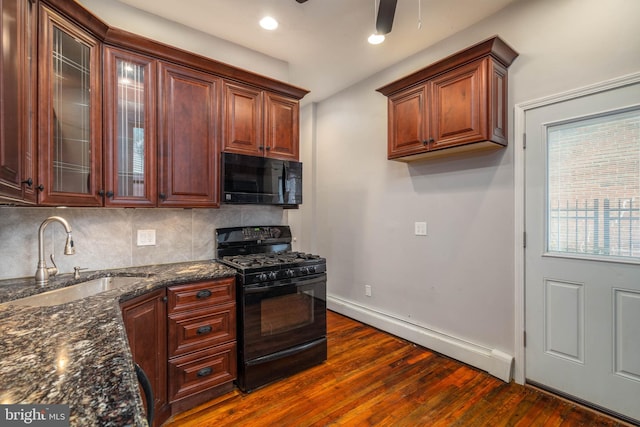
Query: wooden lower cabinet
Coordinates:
[202,375]
[184,338]
[145,319]
[191,331]
[202,342]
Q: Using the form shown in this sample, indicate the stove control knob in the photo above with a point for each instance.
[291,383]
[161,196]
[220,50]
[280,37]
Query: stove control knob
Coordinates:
[262,277]
[290,273]
[312,269]
[273,275]
[304,270]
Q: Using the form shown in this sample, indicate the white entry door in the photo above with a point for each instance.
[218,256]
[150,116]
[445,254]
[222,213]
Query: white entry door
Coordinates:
[582,256]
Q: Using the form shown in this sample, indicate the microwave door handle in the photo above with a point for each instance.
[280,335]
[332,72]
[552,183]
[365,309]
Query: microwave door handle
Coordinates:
[284,181]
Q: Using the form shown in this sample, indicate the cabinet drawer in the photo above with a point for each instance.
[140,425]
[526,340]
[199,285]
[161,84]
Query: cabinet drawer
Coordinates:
[203,294]
[202,370]
[194,330]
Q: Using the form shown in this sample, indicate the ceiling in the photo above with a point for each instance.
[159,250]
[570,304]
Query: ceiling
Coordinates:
[325,41]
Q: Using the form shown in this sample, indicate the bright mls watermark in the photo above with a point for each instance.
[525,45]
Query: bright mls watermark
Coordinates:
[34,415]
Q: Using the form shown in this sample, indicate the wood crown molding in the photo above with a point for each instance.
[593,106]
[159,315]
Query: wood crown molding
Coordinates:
[124,39]
[493,46]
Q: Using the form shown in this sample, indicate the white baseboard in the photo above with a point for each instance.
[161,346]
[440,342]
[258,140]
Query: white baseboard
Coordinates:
[495,362]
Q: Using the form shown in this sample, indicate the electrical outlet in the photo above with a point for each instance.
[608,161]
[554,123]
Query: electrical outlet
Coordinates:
[146,237]
[420,228]
[367,290]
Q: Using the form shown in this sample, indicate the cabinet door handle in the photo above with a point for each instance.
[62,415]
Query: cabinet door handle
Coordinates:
[109,194]
[203,294]
[27,181]
[204,330]
[204,372]
[268,148]
[162,196]
[40,187]
[143,379]
[261,147]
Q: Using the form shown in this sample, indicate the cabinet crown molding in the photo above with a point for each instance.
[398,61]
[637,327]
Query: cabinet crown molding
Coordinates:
[493,46]
[121,38]
[124,39]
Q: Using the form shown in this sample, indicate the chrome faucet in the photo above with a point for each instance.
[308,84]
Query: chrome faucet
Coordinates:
[43,272]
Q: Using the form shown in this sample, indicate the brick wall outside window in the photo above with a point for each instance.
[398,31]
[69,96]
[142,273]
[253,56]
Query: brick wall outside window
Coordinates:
[594,186]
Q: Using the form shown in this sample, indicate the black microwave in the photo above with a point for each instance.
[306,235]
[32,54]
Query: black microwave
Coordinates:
[261,180]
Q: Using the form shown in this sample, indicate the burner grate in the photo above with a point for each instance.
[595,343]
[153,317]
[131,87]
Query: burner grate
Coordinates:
[269,259]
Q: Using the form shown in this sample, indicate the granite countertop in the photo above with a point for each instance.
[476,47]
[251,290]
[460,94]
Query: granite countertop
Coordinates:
[77,353]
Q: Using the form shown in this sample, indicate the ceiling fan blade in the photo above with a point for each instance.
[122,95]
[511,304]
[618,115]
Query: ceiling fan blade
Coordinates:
[386,12]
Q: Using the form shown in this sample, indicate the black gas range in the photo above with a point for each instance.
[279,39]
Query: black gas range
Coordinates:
[266,267]
[281,298]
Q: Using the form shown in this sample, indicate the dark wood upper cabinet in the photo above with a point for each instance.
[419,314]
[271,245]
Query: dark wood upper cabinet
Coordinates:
[156,138]
[17,97]
[188,137]
[70,113]
[408,121]
[281,127]
[260,123]
[469,105]
[457,104]
[130,129]
[242,130]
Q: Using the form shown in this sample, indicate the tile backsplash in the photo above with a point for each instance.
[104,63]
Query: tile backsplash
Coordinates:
[106,238]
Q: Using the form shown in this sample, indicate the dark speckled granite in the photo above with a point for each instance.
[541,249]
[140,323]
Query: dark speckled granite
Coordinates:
[77,353]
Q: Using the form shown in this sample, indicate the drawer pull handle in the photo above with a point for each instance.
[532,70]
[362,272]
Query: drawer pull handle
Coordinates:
[204,330]
[204,372]
[203,294]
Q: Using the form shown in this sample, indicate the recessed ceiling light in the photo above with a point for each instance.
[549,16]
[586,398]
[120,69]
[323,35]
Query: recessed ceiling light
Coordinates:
[268,23]
[376,38]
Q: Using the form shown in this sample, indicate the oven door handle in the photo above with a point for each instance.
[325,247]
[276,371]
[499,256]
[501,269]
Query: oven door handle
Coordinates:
[285,353]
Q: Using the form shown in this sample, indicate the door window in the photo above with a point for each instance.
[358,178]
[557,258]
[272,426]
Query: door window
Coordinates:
[593,186]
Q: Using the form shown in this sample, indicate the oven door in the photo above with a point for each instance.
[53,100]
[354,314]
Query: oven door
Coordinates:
[281,315]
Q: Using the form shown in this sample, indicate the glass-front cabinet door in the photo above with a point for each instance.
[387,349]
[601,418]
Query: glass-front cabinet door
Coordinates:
[70,114]
[17,98]
[130,123]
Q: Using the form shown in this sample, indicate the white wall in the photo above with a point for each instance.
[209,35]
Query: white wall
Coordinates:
[303,220]
[454,289]
[134,20]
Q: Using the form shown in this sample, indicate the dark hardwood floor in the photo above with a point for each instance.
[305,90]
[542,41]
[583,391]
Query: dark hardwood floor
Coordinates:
[375,379]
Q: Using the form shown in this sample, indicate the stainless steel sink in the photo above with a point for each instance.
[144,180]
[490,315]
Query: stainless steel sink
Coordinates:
[76,292]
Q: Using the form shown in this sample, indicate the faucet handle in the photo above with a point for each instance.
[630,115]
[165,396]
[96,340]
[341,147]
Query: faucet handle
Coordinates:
[76,272]
[52,270]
